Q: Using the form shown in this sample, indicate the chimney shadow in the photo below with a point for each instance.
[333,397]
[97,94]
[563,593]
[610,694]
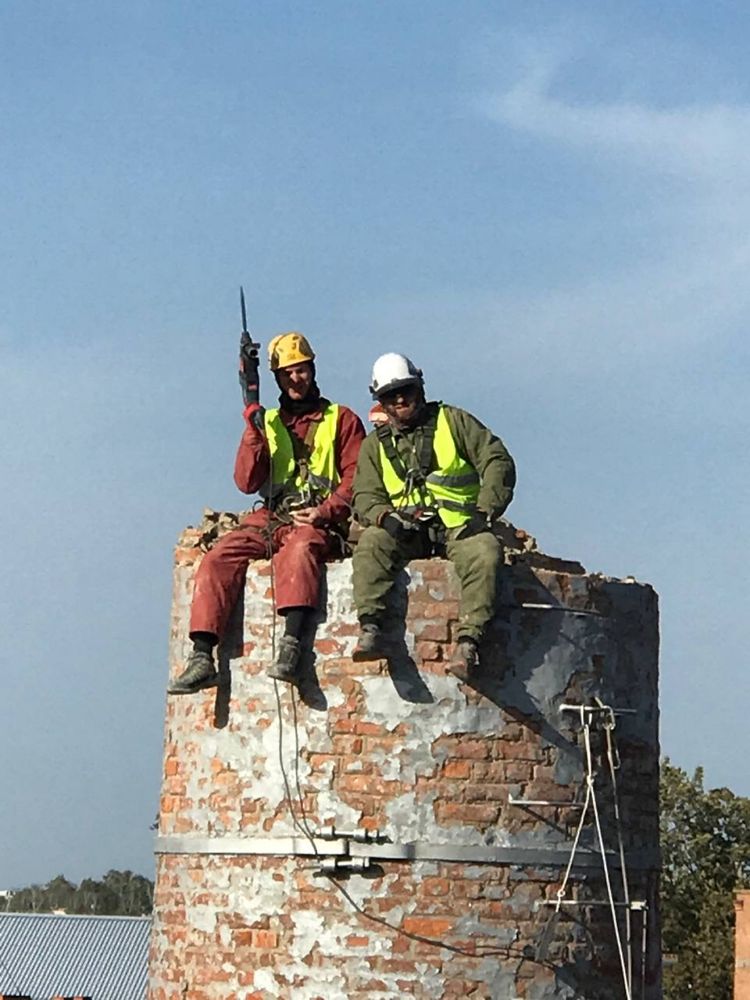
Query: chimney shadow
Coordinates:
[308,686]
[403,671]
[516,671]
[230,647]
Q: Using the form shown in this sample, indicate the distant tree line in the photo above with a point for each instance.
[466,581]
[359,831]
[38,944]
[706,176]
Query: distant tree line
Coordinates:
[116,894]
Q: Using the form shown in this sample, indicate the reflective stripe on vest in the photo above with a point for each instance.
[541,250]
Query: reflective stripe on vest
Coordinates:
[452,488]
[322,476]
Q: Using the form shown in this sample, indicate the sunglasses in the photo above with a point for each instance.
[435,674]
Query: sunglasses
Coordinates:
[405,392]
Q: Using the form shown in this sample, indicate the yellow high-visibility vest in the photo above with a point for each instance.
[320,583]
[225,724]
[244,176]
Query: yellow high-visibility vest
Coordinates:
[452,488]
[318,477]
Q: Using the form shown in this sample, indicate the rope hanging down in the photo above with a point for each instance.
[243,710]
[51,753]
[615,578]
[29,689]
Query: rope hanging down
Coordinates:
[605,715]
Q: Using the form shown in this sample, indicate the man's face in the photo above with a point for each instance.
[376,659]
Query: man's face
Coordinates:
[402,405]
[295,380]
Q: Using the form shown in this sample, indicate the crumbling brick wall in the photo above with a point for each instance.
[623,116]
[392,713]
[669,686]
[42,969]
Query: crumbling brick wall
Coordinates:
[398,758]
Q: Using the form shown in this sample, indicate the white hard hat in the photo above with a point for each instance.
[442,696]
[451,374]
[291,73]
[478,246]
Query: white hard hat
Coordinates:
[393,371]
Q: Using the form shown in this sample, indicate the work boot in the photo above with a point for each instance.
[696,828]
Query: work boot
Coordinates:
[199,673]
[464,663]
[370,645]
[284,667]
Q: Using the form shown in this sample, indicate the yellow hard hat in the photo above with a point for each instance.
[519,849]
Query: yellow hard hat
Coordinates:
[289,349]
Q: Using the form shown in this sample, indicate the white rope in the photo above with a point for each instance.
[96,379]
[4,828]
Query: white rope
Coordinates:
[566,877]
[605,866]
[585,714]
[609,727]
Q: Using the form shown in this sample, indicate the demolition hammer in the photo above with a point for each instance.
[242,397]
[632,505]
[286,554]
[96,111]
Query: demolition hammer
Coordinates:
[249,380]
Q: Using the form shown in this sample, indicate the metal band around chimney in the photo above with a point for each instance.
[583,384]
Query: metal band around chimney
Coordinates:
[343,847]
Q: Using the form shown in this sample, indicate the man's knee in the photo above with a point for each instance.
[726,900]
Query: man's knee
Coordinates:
[482,552]
[372,543]
[303,534]
[237,546]
[211,560]
[305,540]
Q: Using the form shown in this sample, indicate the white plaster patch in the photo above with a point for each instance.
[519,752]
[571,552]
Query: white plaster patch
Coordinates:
[335,697]
[265,980]
[414,818]
[203,918]
[308,931]
[386,706]
[329,804]
[249,886]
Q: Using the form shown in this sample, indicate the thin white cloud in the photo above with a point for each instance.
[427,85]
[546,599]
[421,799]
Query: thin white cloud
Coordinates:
[689,286]
[707,142]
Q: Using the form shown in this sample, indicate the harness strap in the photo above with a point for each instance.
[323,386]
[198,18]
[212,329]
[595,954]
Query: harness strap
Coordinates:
[302,449]
[416,475]
[454,481]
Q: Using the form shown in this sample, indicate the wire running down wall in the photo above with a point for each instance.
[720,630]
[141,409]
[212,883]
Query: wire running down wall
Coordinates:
[384,830]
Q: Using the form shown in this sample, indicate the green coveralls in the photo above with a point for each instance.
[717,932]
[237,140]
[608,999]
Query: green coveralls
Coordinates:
[378,558]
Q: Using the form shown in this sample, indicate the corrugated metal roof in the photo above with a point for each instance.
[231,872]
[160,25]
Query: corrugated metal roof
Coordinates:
[43,954]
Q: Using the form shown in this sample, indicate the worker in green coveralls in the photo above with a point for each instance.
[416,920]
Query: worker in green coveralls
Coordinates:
[430,480]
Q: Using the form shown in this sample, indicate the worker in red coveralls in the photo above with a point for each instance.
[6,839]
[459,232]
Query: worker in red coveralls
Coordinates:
[301,459]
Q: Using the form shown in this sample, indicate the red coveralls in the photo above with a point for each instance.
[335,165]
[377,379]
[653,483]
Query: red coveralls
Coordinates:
[298,551]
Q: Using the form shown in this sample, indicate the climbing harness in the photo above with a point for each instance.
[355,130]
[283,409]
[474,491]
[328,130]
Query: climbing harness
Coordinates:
[435,482]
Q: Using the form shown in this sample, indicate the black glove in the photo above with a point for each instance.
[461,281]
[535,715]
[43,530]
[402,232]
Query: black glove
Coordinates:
[249,369]
[400,527]
[477,523]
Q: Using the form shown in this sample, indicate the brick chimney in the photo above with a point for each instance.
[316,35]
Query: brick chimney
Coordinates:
[386,831]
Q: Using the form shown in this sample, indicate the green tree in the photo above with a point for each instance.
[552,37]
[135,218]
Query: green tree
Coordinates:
[134,893]
[705,841]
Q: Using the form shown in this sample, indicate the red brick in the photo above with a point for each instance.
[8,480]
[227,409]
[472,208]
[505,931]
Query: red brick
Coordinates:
[265,939]
[432,927]
[368,728]
[457,769]
[432,631]
[347,744]
[516,770]
[344,725]
[321,760]
[485,792]
[329,647]
[357,941]
[432,610]
[472,750]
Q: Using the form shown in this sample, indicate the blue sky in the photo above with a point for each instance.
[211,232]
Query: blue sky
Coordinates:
[546,205]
